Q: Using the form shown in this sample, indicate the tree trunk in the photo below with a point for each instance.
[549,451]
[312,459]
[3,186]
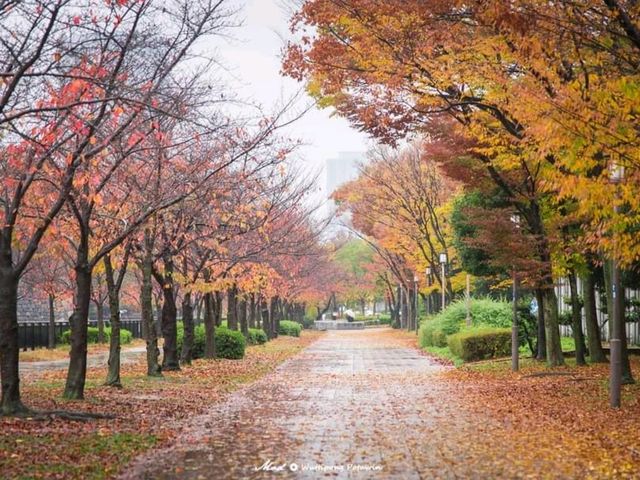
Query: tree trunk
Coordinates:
[396,310]
[79,322]
[542,334]
[272,317]
[113,373]
[100,312]
[627,376]
[52,322]
[266,323]
[146,302]
[187,319]
[404,319]
[596,352]
[9,346]
[277,317]
[609,294]
[198,317]
[576,321]
[242,317]
[232,308]
[252,311]
[169,317]
[209,326]
[552,328]
[217,308]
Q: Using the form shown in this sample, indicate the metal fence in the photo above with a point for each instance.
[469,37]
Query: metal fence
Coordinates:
[632,328]
[32,335]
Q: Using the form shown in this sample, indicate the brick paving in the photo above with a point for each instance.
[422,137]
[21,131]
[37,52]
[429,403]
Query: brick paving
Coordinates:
[355,404]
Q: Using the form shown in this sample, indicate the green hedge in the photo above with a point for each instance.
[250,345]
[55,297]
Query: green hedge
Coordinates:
[480,343]
[256,336]
[384,319]
[92,335]
[292,329]
[485,312]
[229,343]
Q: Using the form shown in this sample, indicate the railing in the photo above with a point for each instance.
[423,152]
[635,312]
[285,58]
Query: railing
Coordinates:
[32,335]
[632,328]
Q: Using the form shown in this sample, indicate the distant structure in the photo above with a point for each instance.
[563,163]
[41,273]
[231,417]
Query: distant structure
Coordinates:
[342,169]
[339,171]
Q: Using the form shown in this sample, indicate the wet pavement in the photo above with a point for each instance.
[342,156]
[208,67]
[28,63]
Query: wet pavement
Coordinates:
[355,404]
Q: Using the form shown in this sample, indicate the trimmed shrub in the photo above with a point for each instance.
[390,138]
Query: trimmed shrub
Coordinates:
[480,343]
[256,336]
[485,312]
[289,328]
[229,343]
[384,319]
[92,335]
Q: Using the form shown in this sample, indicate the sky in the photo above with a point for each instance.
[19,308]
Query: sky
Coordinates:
[252,57]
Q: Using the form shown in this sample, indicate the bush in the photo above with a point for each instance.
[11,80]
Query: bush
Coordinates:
[256,336]
[485,312]
[480,343]
[384,319]
[308,322]
[229,343]
[289,328]
[92,335]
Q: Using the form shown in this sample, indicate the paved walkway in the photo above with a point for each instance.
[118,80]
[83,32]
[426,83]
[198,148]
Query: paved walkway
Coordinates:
[356,404]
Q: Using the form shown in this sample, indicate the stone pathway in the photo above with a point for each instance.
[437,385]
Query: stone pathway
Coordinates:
[356,404]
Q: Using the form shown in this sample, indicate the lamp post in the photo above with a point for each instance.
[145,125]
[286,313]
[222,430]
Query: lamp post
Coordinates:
[443,263]
[615,343]
[515,219]
[416,279]
[428,272]
[468,300]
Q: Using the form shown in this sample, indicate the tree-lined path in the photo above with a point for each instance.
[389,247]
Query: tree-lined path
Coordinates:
[362,398]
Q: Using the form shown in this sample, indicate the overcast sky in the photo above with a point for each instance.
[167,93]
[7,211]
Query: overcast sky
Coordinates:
[253,59]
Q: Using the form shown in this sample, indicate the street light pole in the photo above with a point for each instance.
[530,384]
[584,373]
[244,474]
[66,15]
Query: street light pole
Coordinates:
[515,344]
[415,290]
[468,300]
[429,295]
[443,263]
[615,343]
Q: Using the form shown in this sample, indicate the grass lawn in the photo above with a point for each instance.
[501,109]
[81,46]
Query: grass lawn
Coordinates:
[61,352]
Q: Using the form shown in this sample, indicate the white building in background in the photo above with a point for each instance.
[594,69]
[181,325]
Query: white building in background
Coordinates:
[339,171]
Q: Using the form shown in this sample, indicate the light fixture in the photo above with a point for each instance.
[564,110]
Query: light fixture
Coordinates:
[616,172]
[443,258]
